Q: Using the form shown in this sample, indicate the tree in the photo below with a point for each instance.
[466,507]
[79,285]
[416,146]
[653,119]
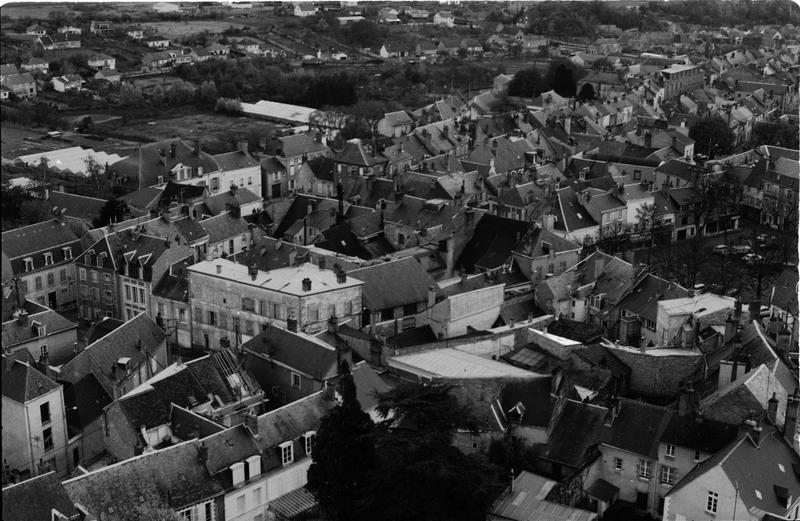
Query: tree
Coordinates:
[343,456]
[603,64]
[587,92]
[526,83]
[562,77]
[208,92]
[19,208]
[778,134]
[113,211]
[712,135]
[646,222]
[130,95]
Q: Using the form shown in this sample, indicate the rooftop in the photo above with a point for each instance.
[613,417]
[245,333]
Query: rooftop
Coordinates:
[451,363]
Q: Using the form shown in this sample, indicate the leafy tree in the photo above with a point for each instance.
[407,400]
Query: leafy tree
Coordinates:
[647,220]
[343,456]
[159,96]
[587,92]
[603,64]
[208,92]
[562,76]
[130,95]
[526,83]
[19,208]
[364,33]
[113,211]
[778,134]
[231,106]
[712,135]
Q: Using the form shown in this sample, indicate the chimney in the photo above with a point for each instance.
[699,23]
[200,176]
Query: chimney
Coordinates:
[253,271]
[730,329]
[648,140]
[162,156]
[202,453]
[251,422]
[340,197]
[463,278]
[613,410]
[737,310]
[172,148]
[197,147]
[322,263]
[243,146]
[431,296]
[291,324]
[687,401]
[783,340]
[754,308]
[548,222]
[753,429]
[306,284]
[772,409]
[790,425]
[219,268]
[341,276]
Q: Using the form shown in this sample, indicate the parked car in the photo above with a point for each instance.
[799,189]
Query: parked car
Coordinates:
[339,56]
[741,249]
[720,249]
[753,258]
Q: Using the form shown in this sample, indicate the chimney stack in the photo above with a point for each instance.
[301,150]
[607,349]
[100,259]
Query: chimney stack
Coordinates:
[322,263]
[431,296]
[197,147]
[753,429]
[772,409]
[243,146]
[251,422]
[253,271]
[219,268]
[291,324]
[202,453]
[306,284]
[172,148]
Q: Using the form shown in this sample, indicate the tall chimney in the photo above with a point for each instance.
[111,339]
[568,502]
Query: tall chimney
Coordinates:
[431,296]
[753,429]
[243,146]
[772,409]
[291,324]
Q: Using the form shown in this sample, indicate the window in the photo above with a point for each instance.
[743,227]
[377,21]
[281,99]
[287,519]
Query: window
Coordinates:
[62,275]
[212,318]
[644,471]
[667,475]
[313,313]
[248,304]
[82,273]
[28,264]
[67,253]
[181,315]
[711,502]
[387,314]
[107,296]
[51,279]
[240,504]
[248,327]
[107,277]
[48,259]
[409,310]
[93,276]
[287,453]
[617,463]
[38,282]
[44,413]
[309,441]
[127,292]
[135,298]
[669,451]
[697,455]
[141,295]
[47,436]
[296,380]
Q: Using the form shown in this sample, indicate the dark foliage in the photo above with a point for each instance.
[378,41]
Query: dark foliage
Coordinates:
[712,135]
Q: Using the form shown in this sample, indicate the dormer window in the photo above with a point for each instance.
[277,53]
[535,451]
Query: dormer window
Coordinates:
[101,259]
[67,253]
[237,471]
[48,259]
[287,453]
[28,263]
[308,439]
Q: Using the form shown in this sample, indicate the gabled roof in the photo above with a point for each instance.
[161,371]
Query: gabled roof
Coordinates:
[23,383]
[152,166]
[531,398]
[393,284]
[637,428]
[699,433]
[784,292]
[131,340]
[227,447]
[301,352]
[13,333]
[293,420]
[755,470]
[576,431]
[35,499]
[84,401]
[493,242]
[644,296]
[356,154]
[33,238]
[235,160]
[223,227]
[221,202]
[80,206]
[170,478]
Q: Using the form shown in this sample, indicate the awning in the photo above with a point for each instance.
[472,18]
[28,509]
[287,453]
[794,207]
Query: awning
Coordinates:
[603,491]
[293,504]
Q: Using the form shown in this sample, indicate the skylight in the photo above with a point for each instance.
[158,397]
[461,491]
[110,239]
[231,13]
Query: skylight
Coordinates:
[758,494]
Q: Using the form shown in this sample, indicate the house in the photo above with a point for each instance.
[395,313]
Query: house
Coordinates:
[541,252]
[70,29]
[60,41]
[218,49]
[101,61]
[397,290]
[395,124]
[393,50]
[279,172]
[28,326]
[783,304]
[43,497]
[638,310]
[572,222]
[751,478]
[122,359]
[445,18]
[357,159]
[781,184]
[68,82]
[36,29]
[470,303]
[304,9]
[135,33]
[34,428]
[388,15]
[36,65]
[156,42]
[20,85]
[41,257]
[682,79]
[110,76]
[293,364]
[155,61]
[84,401]
[100,27]
[165,7]
[297,297]
[171,160]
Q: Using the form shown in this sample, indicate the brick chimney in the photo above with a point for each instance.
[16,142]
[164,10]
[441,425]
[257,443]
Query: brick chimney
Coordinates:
[753,429]
[291,324]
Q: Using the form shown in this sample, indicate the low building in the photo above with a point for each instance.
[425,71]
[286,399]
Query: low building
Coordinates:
[102,61]
[156,42]
[67,83]
[20,85]
[526,499]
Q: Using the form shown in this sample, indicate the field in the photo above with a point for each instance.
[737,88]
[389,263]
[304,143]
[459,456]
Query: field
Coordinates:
[33,11]
[181,29]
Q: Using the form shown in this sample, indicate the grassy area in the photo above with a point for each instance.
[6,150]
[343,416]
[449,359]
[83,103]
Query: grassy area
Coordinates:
[189,27]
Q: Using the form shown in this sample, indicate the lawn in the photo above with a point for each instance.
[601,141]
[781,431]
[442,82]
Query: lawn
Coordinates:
[181,29]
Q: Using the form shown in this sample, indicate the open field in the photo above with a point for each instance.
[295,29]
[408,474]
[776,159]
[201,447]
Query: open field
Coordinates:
[181,29]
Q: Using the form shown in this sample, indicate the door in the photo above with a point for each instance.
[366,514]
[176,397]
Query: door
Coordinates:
[205,338]
[51,300]
[76,457]
[276,190]
[641,500]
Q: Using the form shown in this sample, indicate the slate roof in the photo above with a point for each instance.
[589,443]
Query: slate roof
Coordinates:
[292,420]
[299,351]
[576,431]
[534,395]
[395,283]
[46,235]
[396,119]
[173,288]
[84,401]
[235,160]
[323,168]
[569,213]
[355,153]
[526,502]
[219,203]
[186,424]
[151,166]
[644,296]
[23,383]
[145,198]
[36,498]
[492,244]
[169,478]
[699,433]
[227,447]
[754,468]
[79,206]
[296,145]
[637,428]
[412,337]
[599,356]
[223,227]
[13,333]
[100,357]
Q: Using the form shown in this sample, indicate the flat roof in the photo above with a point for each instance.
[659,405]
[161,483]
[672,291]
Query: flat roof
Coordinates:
[280,111]
[452,363]
[698,305]
[283,280]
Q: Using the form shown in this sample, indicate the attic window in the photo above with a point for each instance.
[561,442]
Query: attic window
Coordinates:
[781,468]
[758,494]
[28,264]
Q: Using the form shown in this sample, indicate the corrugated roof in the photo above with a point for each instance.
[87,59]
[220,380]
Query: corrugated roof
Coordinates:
[527,502]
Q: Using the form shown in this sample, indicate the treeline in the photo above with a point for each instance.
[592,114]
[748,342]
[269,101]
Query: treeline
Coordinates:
[562,76]
[579,19]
